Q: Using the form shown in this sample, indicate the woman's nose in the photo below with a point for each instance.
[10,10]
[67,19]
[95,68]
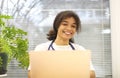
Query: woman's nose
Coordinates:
[69,27]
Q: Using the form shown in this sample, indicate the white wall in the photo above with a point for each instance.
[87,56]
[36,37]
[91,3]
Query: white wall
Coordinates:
[115,34]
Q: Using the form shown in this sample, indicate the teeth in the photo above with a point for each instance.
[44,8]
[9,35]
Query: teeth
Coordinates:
[67,33]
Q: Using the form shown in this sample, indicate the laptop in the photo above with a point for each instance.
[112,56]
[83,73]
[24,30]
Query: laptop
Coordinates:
[60,64]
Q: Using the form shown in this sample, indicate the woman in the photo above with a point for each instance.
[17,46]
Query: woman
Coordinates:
[65,25]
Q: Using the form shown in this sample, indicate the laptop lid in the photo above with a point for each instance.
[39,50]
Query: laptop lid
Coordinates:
[60,64]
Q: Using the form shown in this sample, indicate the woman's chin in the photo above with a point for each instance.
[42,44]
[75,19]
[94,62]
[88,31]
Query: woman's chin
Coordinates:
[67,38]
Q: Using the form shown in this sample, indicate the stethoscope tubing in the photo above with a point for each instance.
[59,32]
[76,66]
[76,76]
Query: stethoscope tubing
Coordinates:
[50,46]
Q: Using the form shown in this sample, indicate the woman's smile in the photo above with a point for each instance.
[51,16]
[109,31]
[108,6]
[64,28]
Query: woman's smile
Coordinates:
[67,32]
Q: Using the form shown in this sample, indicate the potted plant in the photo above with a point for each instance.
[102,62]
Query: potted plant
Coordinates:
[13,44]
[3,63]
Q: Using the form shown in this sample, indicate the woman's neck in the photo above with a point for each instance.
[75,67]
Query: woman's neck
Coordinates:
[61,42]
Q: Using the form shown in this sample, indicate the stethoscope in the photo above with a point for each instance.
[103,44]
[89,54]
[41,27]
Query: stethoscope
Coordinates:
[50,46]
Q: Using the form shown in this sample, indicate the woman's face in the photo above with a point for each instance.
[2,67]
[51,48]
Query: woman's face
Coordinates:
[67,29]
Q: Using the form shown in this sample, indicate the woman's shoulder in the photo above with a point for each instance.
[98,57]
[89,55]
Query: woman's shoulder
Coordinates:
[78,47]
[42,46]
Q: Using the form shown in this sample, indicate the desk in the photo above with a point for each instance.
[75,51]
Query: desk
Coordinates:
[3,75]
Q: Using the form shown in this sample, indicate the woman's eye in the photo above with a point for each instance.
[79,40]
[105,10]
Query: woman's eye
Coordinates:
[64,24]
[73,26]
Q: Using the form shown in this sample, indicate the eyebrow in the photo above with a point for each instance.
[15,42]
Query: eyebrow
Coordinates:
[67,22]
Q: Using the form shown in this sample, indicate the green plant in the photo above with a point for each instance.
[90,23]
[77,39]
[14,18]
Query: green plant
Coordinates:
[14,42]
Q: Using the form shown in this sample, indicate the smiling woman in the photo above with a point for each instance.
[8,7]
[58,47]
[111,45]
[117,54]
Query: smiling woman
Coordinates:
[65,25]
[66,19]
[66,30]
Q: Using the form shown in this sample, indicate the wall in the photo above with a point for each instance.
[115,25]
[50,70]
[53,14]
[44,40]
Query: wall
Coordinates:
[115,35]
